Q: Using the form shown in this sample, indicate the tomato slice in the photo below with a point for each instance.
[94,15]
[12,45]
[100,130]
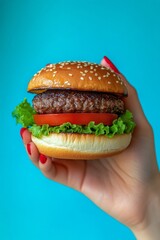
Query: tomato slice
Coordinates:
[74,118]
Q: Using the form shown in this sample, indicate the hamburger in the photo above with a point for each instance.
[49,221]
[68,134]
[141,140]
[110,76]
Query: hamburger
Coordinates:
[78,111]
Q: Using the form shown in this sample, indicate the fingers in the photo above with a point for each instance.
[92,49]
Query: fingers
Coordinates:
[107,63]
[53,170]
[67,172]
[33,153]
[25,135]
[30,147]
[132,102]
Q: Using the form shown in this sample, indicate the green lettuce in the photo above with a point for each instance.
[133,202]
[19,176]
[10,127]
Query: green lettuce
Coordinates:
[24,115]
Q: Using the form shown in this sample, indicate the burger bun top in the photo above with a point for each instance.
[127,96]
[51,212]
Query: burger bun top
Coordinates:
[82,76]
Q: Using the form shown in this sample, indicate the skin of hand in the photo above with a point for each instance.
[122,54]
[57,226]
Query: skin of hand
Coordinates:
[126,186]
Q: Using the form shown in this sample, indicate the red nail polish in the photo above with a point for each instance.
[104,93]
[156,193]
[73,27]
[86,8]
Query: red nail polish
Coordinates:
[112,66]
[29,148]
[22,131]
[42,158]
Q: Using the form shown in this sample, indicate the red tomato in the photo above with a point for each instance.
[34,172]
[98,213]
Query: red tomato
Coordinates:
[74,118]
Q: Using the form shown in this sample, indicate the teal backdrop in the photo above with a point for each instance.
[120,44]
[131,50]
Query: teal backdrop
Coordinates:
[36,32]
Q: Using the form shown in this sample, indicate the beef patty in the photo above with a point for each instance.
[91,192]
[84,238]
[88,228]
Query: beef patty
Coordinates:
[69,101]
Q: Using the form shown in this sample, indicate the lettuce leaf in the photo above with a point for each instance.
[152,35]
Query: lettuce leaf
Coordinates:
[24,115]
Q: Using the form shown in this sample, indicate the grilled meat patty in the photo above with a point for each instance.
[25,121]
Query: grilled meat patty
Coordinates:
[69,101]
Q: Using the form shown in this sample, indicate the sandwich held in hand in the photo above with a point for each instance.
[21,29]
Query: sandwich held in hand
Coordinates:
[78,111]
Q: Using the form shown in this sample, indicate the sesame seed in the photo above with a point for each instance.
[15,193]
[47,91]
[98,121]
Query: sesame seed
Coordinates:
[54,75]
[91,67]
[107,75]
[114,75]
[91,72]
[90,78]
[85,71]
[96,74]
[70,74]
[67,83]
[55,72]
[82,78]
[107,68]
[109,82]
[99,78]
[68,67]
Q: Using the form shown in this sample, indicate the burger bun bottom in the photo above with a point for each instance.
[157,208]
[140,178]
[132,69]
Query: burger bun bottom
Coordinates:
[81,146]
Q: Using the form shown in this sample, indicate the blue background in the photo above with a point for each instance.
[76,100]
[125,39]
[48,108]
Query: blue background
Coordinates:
[34,33]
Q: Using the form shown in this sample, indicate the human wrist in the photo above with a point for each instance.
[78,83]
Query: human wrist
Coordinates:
[149,229]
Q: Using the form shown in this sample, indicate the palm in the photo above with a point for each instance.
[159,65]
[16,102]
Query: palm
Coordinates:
[117,184]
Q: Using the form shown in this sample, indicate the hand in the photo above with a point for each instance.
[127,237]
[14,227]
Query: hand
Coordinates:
[125,185]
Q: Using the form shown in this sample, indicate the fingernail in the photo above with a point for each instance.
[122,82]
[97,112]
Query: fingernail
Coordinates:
[111,65]
[29,148]
[42,158]
[22,131]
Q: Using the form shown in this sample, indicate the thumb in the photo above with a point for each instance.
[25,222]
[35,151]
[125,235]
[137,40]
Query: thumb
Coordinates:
[132,101]
[106,62]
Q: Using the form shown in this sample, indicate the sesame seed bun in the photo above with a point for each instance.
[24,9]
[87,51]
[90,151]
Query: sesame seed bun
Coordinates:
[83,76]
[81,146]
